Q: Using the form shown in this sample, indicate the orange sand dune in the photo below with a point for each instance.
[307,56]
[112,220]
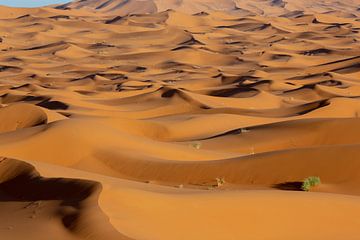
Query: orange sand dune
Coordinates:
[38,207]
[268,7]
[180,120]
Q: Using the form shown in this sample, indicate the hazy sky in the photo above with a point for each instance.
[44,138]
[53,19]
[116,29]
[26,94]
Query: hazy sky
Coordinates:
[30,3]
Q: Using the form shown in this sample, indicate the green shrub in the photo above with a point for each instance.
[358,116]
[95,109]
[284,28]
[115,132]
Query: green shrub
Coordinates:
[310,182]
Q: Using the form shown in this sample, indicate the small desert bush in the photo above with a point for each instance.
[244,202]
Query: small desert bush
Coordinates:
[196,145]
[310,182]
[220,182]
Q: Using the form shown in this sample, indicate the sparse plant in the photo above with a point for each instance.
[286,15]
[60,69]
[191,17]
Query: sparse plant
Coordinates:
[196,145]
[220,182]
[310,182]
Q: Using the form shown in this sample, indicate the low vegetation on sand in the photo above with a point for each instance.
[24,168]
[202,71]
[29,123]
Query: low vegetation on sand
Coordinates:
[220,182]
[310,182]
[196,145]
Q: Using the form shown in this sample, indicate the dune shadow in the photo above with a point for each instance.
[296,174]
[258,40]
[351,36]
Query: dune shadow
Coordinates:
[20,182]
[26,187]
[53,105]
[289,186]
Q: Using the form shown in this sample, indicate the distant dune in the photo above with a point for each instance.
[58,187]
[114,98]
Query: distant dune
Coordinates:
[173,120]
[258,7]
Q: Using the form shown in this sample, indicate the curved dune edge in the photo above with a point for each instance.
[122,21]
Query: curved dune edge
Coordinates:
[241,157]
[70,204]
[150,211]
[21,115]
[266,169]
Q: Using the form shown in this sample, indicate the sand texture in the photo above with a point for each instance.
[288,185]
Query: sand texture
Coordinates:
[174,120]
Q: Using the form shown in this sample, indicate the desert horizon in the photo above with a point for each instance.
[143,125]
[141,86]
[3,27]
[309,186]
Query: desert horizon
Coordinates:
[174,120]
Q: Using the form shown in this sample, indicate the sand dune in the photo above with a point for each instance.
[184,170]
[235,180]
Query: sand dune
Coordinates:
[180,120]
[69,204]
[346,8]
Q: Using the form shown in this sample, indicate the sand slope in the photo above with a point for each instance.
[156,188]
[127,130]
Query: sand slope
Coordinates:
[124,117]
[37,208]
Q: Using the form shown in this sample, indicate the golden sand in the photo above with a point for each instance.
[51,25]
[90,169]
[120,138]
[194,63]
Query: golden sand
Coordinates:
[132,121]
